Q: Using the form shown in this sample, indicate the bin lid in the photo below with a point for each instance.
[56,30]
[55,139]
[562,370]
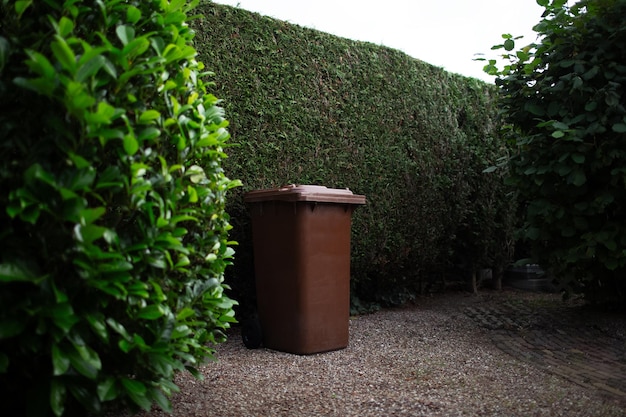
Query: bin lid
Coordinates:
[317,193]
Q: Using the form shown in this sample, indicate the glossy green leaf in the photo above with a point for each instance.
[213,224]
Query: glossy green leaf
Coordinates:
[79,161]
[85,397]
[522,56]
[63,316]
[90,68]
[125,33]
[148,134]
[88,233]
[151,312]
[11,272]
[136,47]
[534,108]
[619,127]
[82,365]
[133,14]
[58,393]
[175,5]
[161,400]
[125,346]
[39,85]
[196,174]
[41,65]
[60,362]
[107,389]
[136,390]
[185,313]
[66,26]
[577,177]
[131,146]
[90,215]
[82,179]
[98,325]
[192,193]
[77,96]
[21,6]
[110,68]
[149,116]
[64,54]
[181,331]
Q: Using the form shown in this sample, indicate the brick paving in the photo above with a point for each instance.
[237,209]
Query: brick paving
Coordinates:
[581,345]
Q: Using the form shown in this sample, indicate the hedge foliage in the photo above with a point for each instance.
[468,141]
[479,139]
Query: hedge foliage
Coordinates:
[311,108]
[114,238]
[564,99]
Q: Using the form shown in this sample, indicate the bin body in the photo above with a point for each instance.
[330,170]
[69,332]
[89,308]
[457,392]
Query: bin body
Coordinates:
[301,242]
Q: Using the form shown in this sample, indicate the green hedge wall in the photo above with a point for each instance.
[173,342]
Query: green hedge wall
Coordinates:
[307,107]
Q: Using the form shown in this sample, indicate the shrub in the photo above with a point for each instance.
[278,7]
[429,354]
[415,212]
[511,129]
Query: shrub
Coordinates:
[564,101]
[114,238]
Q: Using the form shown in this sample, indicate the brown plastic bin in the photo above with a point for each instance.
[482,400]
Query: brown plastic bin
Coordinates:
[301,241]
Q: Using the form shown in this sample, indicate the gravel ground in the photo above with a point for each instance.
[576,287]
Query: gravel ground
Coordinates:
[427,359]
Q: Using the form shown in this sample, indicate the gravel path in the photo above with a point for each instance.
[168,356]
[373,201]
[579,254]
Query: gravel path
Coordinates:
[427,359]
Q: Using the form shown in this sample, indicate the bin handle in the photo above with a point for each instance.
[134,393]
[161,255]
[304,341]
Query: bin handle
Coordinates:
[287,187]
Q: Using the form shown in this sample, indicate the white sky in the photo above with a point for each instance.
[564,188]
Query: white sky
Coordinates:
[445,33]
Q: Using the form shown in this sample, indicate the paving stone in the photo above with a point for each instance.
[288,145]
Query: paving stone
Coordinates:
[560,340]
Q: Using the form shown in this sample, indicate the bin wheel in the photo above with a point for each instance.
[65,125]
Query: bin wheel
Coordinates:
[251,333]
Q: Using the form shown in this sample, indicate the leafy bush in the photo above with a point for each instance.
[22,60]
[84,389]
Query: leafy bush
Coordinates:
[565,101]
[114,235]
[311,108]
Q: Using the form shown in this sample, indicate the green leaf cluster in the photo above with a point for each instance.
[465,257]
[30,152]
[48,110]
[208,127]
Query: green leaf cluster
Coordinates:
[564,101]
[114,237]
[311,108]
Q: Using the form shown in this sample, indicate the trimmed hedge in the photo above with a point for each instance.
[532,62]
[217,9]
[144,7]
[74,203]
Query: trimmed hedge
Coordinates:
[310,108]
